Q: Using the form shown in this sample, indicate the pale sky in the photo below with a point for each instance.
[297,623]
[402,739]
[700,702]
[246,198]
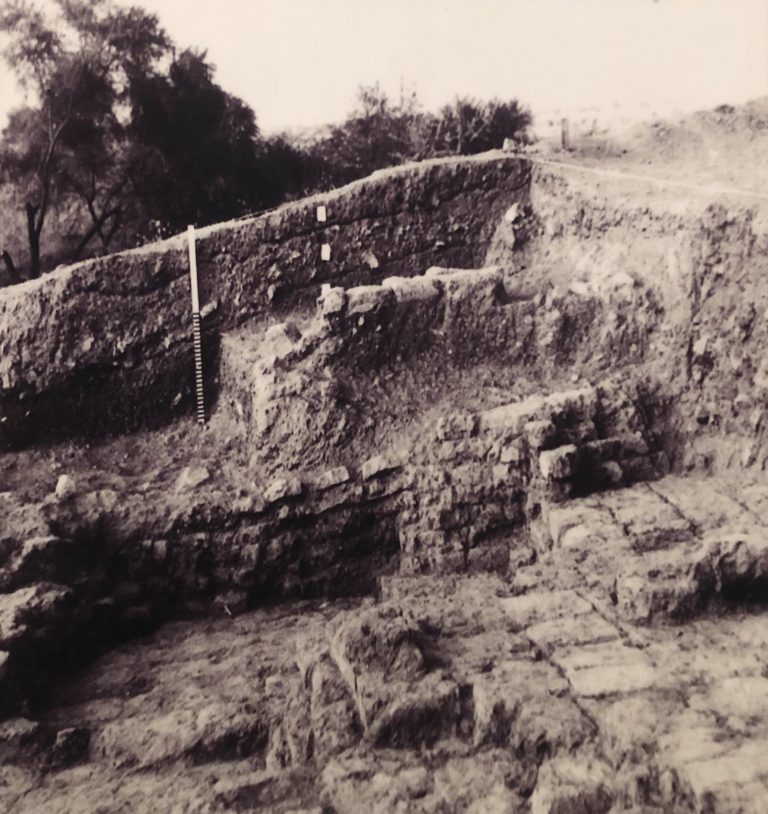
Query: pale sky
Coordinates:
[298,62]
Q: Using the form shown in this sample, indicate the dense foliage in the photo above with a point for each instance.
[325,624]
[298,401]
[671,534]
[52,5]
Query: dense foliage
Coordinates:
[127,139]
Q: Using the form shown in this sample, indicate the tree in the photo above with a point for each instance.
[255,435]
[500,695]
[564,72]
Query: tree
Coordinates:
[286,170]
[128,139]
[79,65]
[378,133]
[469,126]
[126,132]
[200,146]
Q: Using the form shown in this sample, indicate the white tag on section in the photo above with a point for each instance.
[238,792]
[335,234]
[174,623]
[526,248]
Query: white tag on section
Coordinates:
[321,214]
[325,251]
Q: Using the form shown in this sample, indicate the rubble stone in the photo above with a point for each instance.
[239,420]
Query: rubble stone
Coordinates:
[65,487]
[191,477]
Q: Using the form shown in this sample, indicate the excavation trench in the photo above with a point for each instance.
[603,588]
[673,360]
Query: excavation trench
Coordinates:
[418,531]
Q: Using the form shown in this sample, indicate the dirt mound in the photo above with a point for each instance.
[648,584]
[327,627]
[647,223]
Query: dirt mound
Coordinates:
[697,132]
[724,148]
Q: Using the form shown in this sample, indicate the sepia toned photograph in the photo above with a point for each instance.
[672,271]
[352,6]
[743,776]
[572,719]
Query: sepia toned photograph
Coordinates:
[384,406]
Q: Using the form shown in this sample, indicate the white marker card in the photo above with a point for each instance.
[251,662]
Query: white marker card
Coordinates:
[321,214]
[325,252]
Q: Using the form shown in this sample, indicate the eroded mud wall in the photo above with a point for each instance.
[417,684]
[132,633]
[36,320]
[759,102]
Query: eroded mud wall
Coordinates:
[105,344]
